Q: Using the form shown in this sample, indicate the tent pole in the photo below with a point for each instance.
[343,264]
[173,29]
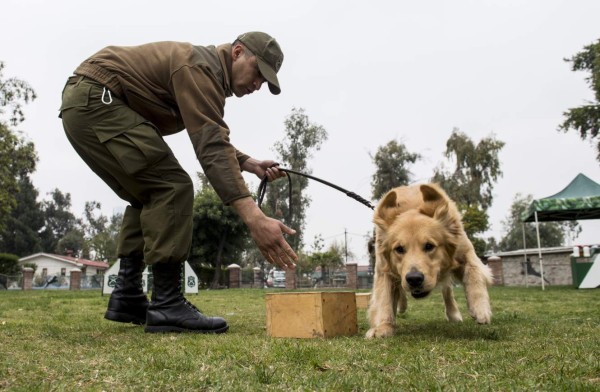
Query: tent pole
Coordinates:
[525,257]
[537,230]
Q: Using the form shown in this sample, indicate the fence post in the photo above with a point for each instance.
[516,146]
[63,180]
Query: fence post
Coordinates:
[495,264]
[352,276]
[290,279]
[27,278]
[235,275]
[75,279]
[257,277]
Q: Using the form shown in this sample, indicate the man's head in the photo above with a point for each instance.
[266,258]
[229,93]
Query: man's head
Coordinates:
[257,58]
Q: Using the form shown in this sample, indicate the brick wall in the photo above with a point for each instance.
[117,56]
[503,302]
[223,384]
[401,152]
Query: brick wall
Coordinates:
[557,269]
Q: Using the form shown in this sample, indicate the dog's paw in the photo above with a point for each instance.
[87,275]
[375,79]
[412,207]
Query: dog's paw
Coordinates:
[454,317]
[381,331]
[482,315]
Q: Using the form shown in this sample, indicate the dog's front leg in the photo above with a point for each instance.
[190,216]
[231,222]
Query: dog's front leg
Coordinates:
[476,278]
[382,319]
[452,313]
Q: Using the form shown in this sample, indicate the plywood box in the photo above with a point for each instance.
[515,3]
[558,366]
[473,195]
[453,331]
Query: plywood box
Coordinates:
[311,314]
[362,300]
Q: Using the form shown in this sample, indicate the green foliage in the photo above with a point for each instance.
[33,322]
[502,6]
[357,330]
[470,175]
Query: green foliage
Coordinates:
[586,119]
[219,235]
[302,138]
[17,160]
[17,155]
[551,233]
[100,234]
[391,167]
[13,93]
[9,264]
[20,235]
[476,168]
[59,220]
[470,182]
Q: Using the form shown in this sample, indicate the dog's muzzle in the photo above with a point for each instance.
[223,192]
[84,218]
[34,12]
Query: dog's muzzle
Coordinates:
[415,281]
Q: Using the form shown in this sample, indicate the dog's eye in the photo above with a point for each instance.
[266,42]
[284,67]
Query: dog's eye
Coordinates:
[399,249]
[428,247]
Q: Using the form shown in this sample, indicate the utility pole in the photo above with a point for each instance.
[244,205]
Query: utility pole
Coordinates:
[346,244]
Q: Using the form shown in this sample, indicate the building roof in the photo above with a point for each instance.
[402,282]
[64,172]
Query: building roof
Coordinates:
[533,251]
[77,262]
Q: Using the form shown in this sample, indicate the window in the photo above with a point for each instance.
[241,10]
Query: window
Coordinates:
[44,272]
[63,272]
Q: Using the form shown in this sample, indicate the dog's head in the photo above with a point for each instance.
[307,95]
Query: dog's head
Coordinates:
[417,245]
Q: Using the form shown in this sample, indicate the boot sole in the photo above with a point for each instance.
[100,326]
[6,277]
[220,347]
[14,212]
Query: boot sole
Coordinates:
[123,318]
[170,328]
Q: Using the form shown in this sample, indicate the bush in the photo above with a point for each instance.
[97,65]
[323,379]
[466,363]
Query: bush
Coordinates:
[9,264]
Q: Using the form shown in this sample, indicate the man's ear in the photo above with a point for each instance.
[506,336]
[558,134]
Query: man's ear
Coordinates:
[237,50]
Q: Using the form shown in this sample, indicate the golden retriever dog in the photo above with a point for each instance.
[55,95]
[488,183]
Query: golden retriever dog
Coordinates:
[420,244]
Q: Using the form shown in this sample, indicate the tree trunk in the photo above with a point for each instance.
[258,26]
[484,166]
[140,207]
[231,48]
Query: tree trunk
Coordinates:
[218,262]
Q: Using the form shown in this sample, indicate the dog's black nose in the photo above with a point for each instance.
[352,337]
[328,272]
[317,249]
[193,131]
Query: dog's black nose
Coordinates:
[415,279]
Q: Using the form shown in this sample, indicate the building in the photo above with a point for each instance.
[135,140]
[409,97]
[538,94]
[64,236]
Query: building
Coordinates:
[522,267]
[49,265]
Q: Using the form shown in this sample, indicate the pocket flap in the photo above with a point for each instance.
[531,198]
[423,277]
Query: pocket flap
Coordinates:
[75,96]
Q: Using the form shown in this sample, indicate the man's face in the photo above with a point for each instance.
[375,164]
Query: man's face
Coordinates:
[245,76]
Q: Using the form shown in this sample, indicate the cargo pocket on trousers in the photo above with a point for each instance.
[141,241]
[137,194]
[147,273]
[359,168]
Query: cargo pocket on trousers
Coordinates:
[138,148]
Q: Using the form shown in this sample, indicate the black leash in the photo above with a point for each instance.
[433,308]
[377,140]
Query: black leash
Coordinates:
[262,189]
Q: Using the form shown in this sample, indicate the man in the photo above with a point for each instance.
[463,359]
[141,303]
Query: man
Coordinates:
[116,110]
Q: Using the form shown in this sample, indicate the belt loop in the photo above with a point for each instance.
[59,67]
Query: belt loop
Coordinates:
[109,101]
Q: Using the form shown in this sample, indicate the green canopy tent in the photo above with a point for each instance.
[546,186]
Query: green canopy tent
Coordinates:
[577,201]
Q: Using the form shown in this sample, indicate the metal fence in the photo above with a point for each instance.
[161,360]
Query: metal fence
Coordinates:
[63,282]
[11,282]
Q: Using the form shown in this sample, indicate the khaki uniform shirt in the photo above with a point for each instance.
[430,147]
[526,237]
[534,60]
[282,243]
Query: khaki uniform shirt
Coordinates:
[178,86]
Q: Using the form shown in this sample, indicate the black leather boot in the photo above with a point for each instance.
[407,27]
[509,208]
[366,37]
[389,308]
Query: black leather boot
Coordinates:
[128,303]
[169,311]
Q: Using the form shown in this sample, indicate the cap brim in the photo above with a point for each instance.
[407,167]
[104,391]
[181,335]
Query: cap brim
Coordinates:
[269,74]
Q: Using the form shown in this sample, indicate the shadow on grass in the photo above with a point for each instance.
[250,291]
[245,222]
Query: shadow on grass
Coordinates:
[456,331]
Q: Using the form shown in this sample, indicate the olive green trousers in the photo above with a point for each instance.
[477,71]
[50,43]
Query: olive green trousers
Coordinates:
[130,155]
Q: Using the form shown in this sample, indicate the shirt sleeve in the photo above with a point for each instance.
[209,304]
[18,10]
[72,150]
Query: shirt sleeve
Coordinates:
[201,103]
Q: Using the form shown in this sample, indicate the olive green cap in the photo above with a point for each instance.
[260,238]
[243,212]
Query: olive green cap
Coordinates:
[268,55]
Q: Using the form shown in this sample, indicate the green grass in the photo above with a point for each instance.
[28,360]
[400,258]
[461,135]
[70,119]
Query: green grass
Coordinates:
[538,340]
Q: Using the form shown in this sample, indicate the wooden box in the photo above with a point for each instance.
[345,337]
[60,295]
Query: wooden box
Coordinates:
[362,300]
[311,314]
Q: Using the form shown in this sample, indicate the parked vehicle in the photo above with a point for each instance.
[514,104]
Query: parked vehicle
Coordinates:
[276,279]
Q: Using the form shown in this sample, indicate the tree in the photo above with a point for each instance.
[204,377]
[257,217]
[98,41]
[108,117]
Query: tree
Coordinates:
[391,167]
[470,183]
[100,233]
[302,138]
[551,233]
[219,234]
[586,119]
[9,264]
[21,233]
[58,221]
[331,258]
[17,155]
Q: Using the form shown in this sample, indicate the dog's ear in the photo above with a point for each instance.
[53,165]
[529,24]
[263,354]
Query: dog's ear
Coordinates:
[433,198]
[450,220]
[387,210]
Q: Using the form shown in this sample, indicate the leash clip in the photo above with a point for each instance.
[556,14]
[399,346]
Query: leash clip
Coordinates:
[109,101]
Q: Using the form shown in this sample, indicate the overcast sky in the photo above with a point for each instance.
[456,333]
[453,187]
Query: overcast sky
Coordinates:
[368,72]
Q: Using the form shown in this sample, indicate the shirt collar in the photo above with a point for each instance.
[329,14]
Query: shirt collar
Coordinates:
[224,52]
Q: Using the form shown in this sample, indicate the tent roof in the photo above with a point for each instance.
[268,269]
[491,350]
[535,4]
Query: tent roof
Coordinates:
[577,201]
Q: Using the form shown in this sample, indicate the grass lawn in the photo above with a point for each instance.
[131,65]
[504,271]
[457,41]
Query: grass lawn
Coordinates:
[538,340]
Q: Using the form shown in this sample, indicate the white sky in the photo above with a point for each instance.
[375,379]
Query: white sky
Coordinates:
[368,72]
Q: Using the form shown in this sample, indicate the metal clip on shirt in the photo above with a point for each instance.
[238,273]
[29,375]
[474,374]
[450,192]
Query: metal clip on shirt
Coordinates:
[104,101]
